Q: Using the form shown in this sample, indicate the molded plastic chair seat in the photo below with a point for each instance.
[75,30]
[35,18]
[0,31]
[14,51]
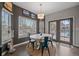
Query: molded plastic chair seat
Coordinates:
[32,40]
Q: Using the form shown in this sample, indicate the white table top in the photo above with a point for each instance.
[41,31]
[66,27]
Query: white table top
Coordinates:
[38,36]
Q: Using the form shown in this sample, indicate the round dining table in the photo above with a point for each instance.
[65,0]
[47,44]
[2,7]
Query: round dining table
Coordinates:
[39,38]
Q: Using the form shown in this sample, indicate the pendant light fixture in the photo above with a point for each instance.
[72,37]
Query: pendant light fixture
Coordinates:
[40,15]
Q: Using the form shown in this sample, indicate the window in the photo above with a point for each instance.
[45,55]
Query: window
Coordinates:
[6,26]
[65,28]
[25,26]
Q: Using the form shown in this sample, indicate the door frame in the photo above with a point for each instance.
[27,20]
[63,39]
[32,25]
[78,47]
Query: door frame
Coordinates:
[9,31]
[58,30]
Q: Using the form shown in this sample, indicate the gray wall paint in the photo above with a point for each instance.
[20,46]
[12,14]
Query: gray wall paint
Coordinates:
[0,23]
[15,23]
[67,13]
[1,5]
[41,26]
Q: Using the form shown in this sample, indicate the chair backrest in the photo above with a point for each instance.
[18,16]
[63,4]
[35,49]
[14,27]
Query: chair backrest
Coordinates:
[38,32]
[52,36]
[45,41]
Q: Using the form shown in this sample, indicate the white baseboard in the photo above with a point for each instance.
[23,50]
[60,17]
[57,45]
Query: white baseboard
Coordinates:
[75,45]
[20,44]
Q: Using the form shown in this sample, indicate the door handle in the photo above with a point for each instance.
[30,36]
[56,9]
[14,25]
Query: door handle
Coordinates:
[8,31]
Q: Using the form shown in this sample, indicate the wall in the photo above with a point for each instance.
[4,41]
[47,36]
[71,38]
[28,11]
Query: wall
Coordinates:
[41,26]
[67,13]
[1,4]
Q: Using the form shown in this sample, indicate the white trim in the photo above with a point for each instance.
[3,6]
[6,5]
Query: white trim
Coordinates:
[74,38]
[20,44]
[7,11]
[74,32]
[76,45]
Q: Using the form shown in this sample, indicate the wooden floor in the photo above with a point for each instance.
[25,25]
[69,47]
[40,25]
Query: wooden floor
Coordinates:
[38,52]
[61,50]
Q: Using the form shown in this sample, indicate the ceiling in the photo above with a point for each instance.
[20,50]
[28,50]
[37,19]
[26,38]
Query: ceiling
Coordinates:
[47,7]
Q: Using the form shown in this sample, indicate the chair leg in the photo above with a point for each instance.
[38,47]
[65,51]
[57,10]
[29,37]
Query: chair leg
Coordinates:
[28,45]
[48,51]
[40,47]
[42,51]
[51,43]
[36,43]
[33,45]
